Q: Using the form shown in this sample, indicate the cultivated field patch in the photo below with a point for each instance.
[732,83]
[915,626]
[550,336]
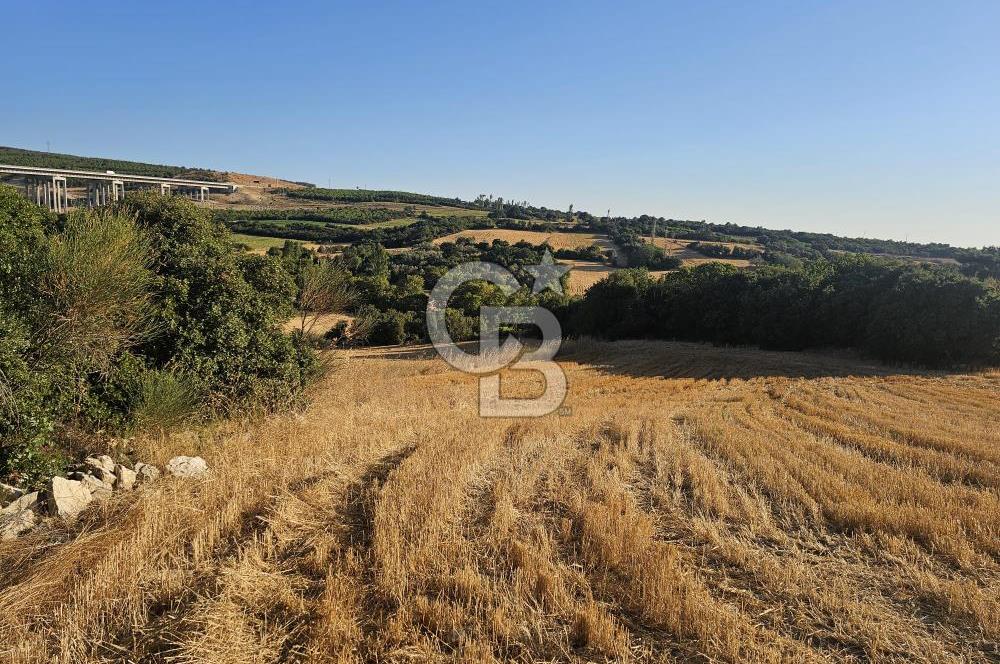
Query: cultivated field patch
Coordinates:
[556,240]
[690,257]
[689,503]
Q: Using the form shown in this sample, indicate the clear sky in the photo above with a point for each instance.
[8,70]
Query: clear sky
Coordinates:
[878,119]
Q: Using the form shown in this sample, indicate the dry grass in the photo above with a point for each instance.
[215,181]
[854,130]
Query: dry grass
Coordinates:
[584,274]
[697,504]
[690,257]
[556,240]
[260,245]
[322,324]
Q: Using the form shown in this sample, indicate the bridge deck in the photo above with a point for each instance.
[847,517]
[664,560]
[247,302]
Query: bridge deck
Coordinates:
[113,177]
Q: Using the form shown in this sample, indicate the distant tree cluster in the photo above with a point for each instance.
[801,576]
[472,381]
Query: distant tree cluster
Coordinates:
[391,290]
[638,252]
[714,250]
[373,195]
[424,229]
[337,215]
[791,248]
[897,312]
[594,252]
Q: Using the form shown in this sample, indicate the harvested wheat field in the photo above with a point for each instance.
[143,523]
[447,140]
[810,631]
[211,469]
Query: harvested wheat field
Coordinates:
[557,240]
[695,504]
[584,274]
[690,257]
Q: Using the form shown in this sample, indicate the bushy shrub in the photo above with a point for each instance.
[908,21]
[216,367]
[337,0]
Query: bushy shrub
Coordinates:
[137,315]
[219,311]
[26,425]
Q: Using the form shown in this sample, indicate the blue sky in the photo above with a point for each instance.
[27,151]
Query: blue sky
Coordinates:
[877,119]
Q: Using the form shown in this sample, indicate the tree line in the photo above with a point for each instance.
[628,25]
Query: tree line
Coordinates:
[373,195]
[342,215]
[897,312]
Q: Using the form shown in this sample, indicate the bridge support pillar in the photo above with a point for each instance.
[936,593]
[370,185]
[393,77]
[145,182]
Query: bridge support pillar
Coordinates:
[57,194]
[164,189]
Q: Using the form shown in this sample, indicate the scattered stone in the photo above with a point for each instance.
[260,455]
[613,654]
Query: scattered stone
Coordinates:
[189,467]
[26,502]
[102,467]
[126,478]
[9,493]
[98,489]
[67,497]
[146,472]
[12,525]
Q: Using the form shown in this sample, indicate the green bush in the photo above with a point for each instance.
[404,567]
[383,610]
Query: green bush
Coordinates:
[139,315]
[164,401]
[219,316]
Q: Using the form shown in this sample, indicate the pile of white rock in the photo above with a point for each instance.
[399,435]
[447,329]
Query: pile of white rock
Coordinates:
[97,478]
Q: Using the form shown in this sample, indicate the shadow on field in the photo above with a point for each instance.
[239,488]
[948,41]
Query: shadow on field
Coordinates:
[678,359]
[670,359]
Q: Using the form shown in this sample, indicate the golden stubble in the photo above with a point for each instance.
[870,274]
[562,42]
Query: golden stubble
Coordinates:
[696,504]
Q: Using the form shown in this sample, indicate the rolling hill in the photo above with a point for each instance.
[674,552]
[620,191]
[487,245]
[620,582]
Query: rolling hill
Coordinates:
[264,199]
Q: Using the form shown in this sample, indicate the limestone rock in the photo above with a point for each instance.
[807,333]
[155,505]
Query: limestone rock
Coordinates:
[67,497]
[25,502]
[102,467]
[12,525]
[98,489]
[126,478]
[146,472]
[189,467]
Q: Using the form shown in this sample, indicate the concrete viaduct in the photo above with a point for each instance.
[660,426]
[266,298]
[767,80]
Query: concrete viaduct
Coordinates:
[48,186]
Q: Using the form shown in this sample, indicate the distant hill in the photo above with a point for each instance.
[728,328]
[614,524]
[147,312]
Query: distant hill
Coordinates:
[275,199]
[21,157]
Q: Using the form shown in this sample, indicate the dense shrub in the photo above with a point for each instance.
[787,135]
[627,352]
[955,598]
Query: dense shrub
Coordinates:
[219,310]
[592,253]
[139,314]
[897,312]
[638,252]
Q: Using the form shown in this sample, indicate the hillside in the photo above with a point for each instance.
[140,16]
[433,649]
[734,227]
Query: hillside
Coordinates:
[21,157]
[264,199]
[693,504]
